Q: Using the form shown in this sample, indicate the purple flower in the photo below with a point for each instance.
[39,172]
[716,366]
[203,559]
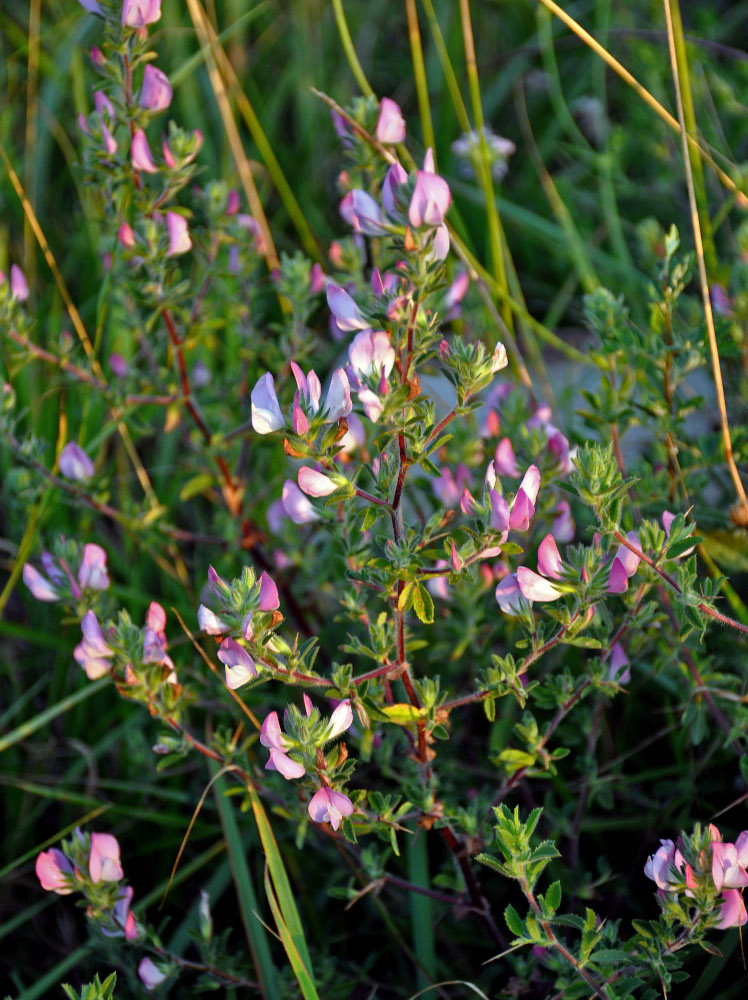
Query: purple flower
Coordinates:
[728,866]
[179,237]
[619,668]
[371,355]
[92,574]
[239,665]
[344,309]
[562,528]
[391,124]
[362,213]
[536,587]
[431,197]
[449,486]
[74,463]
[272,737]
[55,872]
[266,411]
[298,507]
[93,653]
[156,92]
[140,152]
[660,864]
[92,7]
[394,179]
[103,862]
[327,806]
[139,13]
[150,974]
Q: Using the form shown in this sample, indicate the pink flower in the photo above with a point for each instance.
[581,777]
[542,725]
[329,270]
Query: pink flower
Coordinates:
[139,13]
[74,463]
[340,720]
[103,862]
[562,528]
[449,486]
[266,411]
[19,287]
[315,484]
[523,508]
[327,806]
[619,669]
[55,872]
[391,124]
[431,197]
[298,507]
[140,152]
[41,588]
[536,587]
[732,912]
[269,600]
[92,574]
[505,462]
[150,974]
[238,664]
[209,622]
[179,237]
[371,355]
[624,565]
[126,236]
[272,737]
[156,92]
[93,653]
[122,916]
[728,869]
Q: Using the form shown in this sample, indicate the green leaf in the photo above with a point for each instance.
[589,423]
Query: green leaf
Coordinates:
[423,605]
[514,921]
[197,485]
[553,896]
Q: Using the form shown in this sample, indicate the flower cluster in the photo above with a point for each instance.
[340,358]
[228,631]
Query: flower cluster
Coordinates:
[60,583]
[706,870]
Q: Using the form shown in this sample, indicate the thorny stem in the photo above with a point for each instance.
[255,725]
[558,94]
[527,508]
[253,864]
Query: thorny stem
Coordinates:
[711,612]
[555,941]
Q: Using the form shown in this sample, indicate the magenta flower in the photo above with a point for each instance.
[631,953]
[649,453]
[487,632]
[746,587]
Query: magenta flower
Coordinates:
[536,587]
[139,13]
[309,390]
[93,653]
[266,411]
[431,197]
[238,664]
[150,974]
[122,916]
[179,237]
[327,806]
[371,355]
[619,669]
[624,565]
[140,152]
[315,484]
[394,179]
[297,506]
[55,872]
[269,600]
[362,213]
[156,92]
[391,124]
[344,309]
[74,463]
[126,236]
[92,574]
[449,486]
[103,862]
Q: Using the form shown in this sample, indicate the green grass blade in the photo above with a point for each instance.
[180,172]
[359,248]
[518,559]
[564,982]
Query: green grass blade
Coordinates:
[248,906]
[280,879]
[350,50]
[25,730]
[421,909]
[302,972]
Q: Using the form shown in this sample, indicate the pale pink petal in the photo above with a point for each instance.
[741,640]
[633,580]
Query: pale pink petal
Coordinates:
[549,558]
[340,720]
[103,863]
[315,484]
[280,761]
[505,461]
[266,412]
[269,600]
[391,124]
[535,587]
[140,152]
